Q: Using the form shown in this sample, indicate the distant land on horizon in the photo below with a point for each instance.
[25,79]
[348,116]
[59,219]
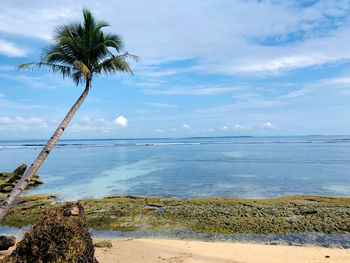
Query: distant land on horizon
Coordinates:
[174,138]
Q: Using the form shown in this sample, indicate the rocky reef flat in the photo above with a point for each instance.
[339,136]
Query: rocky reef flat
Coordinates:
[286,214]
[9,180]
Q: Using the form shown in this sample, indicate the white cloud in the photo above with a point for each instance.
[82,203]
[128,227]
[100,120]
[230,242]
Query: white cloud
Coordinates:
[121,121]
[10,49]
[295,94]
[338,86]
[252,101]
[35,20]
[336,81]
[224,128]
[158,73]
[206,30]
[268,125]
[143,111]
[186,126]
[142,84]
[1,95]
[200,90]
[241,127]
[286,63]
[86,124]
[7,67]
[20,123]
[159,130]
[11,104]
[252,104]
[47,81]
[162,105]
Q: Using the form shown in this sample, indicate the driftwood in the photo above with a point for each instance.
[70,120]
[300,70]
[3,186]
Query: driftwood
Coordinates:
[60,236]
[6,242]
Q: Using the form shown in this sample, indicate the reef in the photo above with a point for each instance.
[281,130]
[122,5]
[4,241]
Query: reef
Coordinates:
[9,180]
[286,214]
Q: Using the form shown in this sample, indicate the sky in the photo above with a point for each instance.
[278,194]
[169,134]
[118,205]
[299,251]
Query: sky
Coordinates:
[207,68]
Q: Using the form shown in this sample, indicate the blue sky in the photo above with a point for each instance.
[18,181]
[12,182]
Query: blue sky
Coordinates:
[207,68]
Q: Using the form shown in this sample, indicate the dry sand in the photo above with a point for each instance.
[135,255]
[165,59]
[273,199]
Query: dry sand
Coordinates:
[173,251]
[166,251]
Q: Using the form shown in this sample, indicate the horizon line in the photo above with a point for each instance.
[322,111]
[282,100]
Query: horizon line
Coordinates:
[159,138]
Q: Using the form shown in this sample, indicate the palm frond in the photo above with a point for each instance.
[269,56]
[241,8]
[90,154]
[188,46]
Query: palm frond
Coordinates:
[81,49]
[77,77]
[127,55]
[64,70]
[115,41]
[29,66]
[89,20]
[99,26]
[114,64]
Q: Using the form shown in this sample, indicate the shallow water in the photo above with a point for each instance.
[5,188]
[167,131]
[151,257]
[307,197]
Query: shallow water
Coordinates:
[295,239]
[246,167]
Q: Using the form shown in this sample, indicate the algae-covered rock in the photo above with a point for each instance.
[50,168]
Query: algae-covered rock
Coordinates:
[103,244]
[60,236]
[6,242]
[290,214]
[20,169]
[285,214]
[28,209]
[9,180]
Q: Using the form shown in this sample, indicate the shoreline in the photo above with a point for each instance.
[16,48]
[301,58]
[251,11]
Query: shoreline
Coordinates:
[285,214]
[308,239]
[162,250]
[173,251]
[163,229]
[285,220]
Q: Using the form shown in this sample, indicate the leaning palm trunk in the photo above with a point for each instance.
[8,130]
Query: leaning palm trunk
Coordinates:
[79,51]
[23,183]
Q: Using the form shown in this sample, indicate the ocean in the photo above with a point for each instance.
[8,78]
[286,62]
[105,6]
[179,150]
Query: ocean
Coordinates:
[243,167]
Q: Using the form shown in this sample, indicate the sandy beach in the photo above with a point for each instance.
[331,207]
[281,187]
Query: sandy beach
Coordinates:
[160,250]
[173,251]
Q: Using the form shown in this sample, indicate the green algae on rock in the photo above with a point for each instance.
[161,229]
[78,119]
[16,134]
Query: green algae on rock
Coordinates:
[28,209]
[9,180]
[286,214]
[103,244]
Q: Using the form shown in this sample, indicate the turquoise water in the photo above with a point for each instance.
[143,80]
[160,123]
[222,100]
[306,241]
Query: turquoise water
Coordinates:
[246,167]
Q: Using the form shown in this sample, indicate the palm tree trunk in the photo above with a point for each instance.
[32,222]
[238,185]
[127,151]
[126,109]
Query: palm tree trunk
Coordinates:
[22,184]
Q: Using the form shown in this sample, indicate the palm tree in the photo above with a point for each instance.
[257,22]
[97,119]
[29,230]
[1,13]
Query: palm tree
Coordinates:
[79,51]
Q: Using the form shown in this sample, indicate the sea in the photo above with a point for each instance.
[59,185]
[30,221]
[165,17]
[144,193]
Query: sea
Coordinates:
[241,167]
